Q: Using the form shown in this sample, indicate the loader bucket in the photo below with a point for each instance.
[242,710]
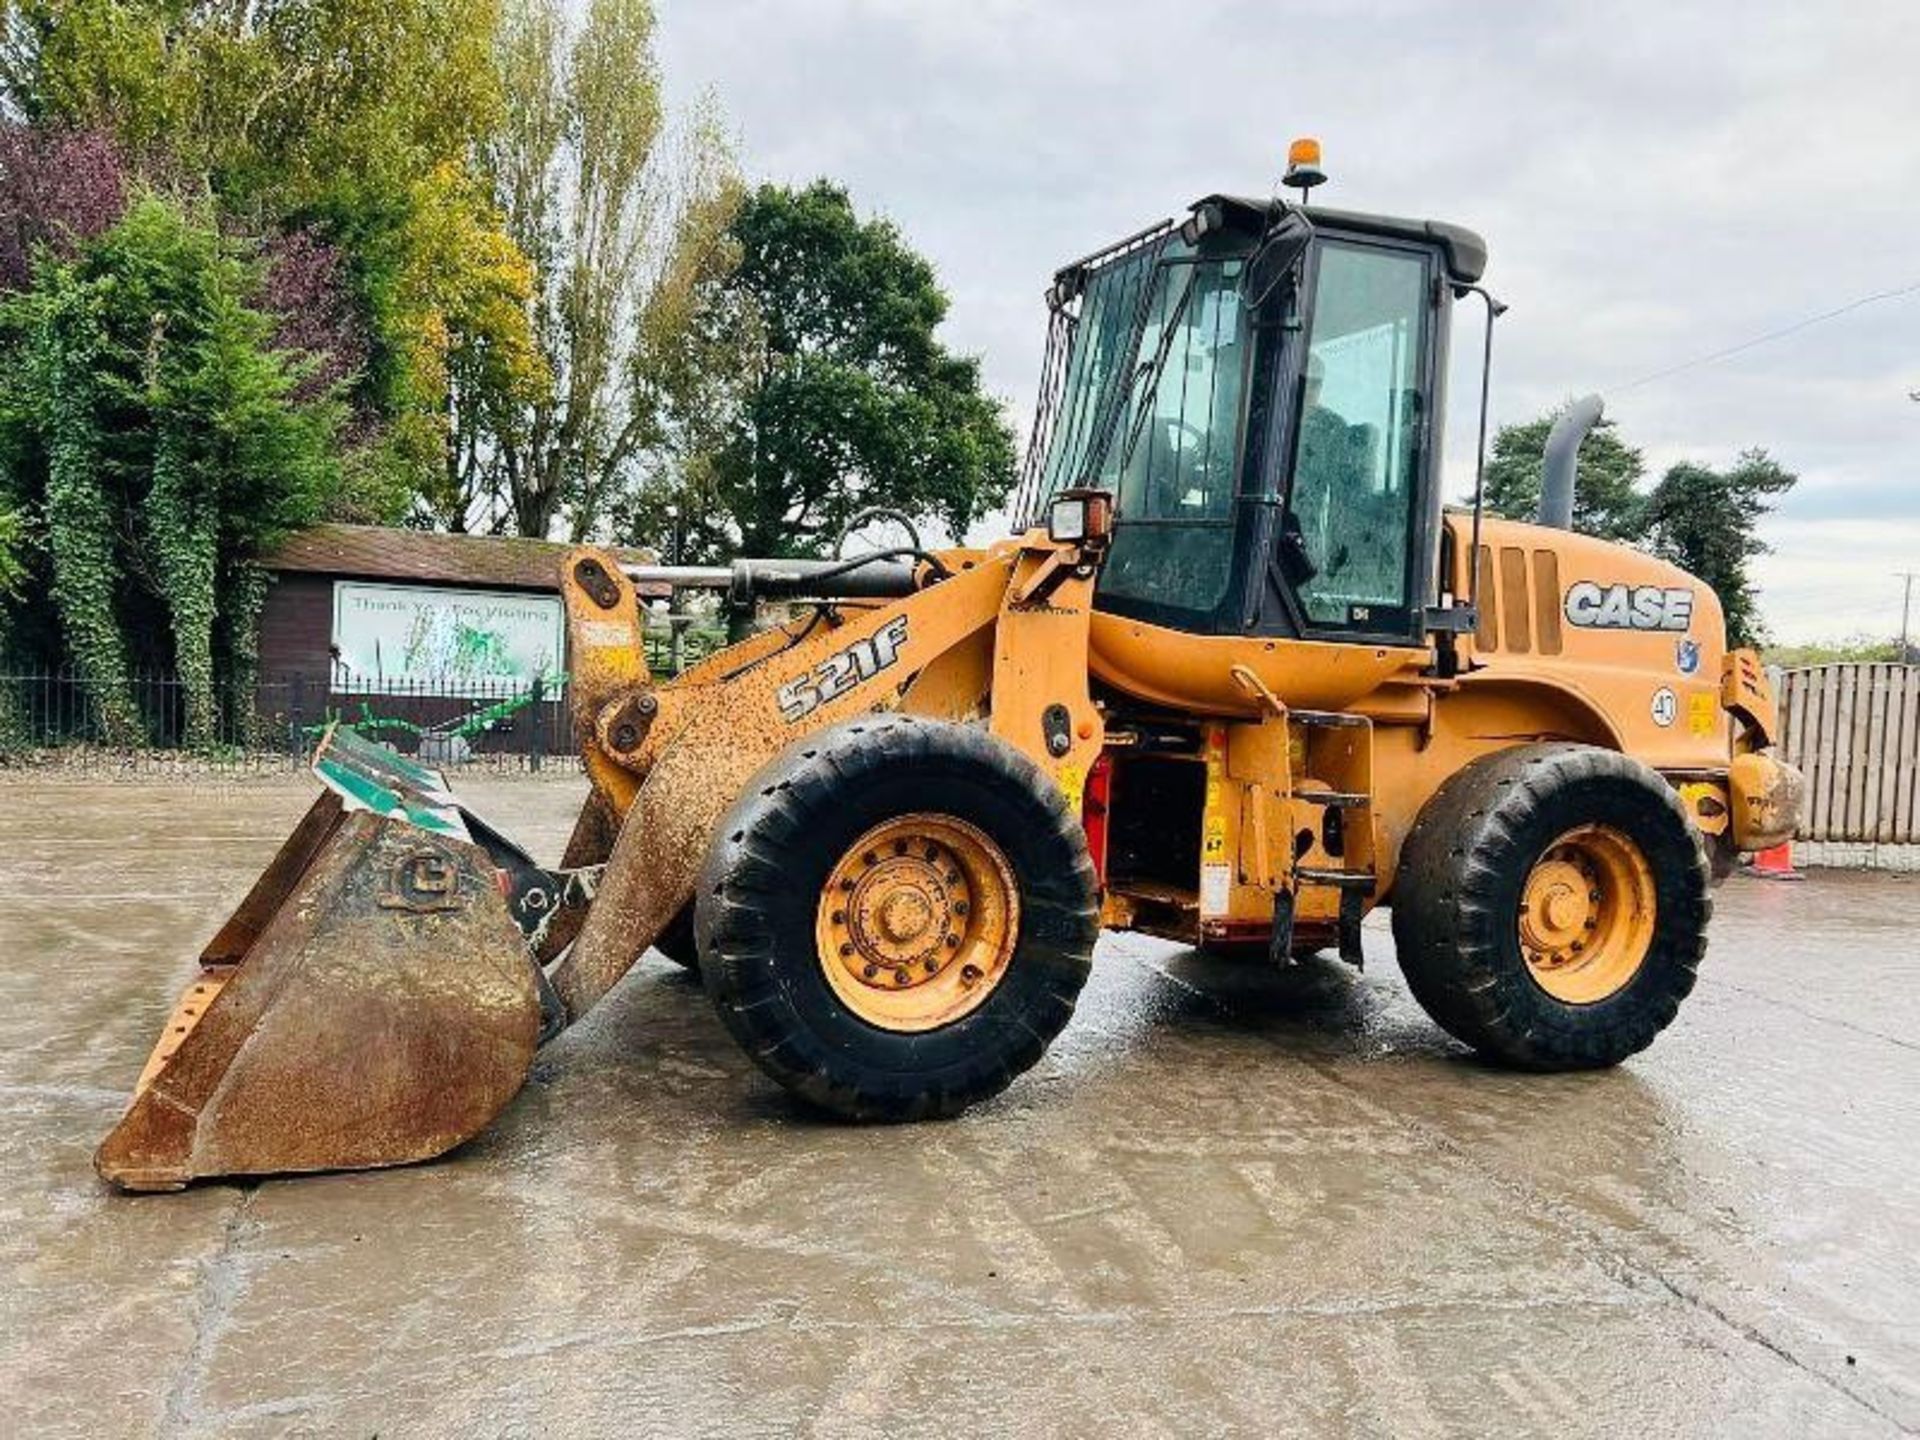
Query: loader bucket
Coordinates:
[372,1001]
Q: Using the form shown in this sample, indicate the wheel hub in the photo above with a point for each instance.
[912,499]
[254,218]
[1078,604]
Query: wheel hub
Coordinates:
[917,921]
[1586,915]
[900,924]
[1557,911]
[906,915]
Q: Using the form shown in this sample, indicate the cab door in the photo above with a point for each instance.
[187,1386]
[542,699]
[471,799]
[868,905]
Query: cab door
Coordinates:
[1356,486]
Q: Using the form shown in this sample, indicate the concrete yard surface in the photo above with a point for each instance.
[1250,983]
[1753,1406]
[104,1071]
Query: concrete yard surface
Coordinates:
[1229,1200]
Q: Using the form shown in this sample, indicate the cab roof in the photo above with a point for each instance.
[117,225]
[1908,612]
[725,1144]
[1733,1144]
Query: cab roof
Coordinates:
[1463,252]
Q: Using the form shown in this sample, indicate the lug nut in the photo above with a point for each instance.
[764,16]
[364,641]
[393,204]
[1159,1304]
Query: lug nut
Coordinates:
[846,949]
[871,971]
[901,977]
[953,942]
[839,917]
[933,967]
[960,907]
[971,974]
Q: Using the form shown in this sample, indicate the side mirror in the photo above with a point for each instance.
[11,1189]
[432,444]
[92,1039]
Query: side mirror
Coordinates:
[1267,284]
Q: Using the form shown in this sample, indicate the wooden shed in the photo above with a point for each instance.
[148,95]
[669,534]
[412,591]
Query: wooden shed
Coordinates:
[364,609]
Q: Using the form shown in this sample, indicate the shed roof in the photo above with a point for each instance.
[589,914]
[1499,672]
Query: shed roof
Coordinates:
[376,552]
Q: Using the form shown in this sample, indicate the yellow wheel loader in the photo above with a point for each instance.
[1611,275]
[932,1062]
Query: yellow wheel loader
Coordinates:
[1238,679]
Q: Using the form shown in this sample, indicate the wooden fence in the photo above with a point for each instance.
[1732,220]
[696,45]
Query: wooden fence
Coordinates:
[1854,731]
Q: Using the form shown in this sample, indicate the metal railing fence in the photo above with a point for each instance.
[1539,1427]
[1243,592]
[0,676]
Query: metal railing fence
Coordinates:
[58,717]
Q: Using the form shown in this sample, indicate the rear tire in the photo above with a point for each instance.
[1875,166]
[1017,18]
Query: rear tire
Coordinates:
[765,931]
[1475,884]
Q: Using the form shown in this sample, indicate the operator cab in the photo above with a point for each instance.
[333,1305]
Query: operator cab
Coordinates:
[1260,389]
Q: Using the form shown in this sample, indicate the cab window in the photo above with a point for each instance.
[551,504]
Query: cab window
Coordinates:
[1176,461]
[1350,506]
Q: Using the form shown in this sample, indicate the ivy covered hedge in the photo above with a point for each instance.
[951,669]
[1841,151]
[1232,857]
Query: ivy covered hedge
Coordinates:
[251,269]
[153,437]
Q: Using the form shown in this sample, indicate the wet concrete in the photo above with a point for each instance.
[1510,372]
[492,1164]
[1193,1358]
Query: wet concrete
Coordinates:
[1227,1201]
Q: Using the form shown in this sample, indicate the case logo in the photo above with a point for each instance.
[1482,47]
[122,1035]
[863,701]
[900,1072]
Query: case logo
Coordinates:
[1686,656]
[1628,607]
[422,881]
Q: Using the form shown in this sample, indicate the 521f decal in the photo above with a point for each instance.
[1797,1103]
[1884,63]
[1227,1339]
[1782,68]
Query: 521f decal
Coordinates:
[839,673]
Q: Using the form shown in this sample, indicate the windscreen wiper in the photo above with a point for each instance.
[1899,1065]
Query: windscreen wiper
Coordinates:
[1148,370]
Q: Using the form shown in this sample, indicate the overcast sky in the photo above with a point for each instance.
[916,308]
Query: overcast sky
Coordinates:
[1656,181]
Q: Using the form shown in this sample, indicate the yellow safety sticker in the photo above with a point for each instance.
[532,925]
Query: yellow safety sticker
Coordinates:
[1703,713]
[1213,828]
[1073,784]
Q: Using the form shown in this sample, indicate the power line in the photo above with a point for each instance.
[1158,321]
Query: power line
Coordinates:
[1770,336]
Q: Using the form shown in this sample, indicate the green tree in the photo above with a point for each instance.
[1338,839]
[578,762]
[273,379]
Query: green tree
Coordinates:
[845,398]
[1606,500]
[156,437]
[614,202]
[1854,649]
[1705,521]
[12,571]
[354,119]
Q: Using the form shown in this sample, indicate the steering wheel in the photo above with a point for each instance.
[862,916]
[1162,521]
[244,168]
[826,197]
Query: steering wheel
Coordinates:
[1192,433]
[1177,469]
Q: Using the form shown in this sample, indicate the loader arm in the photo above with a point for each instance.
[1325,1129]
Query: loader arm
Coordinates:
[686,751]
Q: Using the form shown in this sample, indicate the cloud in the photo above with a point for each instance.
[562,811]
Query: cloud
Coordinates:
[1656,182]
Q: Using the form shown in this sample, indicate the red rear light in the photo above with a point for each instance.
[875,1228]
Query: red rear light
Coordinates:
[1095,801]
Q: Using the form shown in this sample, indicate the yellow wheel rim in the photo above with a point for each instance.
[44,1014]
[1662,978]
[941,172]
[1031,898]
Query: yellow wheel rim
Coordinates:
[1587,915]
[917,922]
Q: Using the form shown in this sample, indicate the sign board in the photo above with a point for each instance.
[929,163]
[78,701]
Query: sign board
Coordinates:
[458,642]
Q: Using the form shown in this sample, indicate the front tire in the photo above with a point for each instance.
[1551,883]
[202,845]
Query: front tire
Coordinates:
[897,918]
[1551,906]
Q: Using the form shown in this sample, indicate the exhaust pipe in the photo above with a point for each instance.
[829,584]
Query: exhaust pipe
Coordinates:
[1562,459]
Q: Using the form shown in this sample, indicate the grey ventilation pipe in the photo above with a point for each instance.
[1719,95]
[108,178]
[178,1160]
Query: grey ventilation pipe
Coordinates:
[1562,459]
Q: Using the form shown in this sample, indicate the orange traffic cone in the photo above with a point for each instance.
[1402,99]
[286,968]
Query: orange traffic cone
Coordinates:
[1775,863]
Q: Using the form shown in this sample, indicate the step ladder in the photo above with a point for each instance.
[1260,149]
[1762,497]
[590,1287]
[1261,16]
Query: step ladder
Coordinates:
[1350,756]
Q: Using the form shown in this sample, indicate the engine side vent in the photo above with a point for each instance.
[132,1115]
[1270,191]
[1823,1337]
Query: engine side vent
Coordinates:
[1515,623]
[1546,600]
[1520,601]
[1487,636]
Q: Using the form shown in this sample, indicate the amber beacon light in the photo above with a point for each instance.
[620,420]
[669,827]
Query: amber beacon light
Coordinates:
[1303,165]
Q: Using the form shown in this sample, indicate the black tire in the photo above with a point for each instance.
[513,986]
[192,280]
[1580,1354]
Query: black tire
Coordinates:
[1457,897]
[758,899]
[677,942]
